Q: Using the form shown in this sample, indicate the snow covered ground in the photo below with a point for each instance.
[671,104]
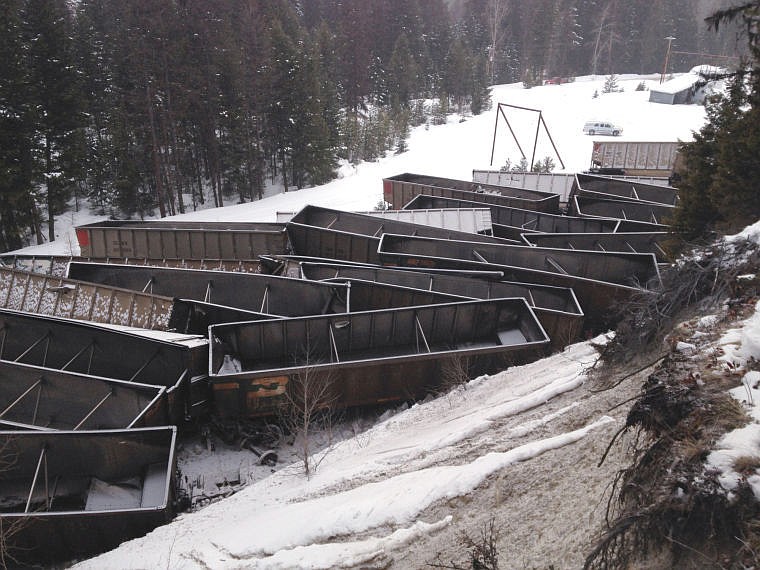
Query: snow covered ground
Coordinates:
[521,446]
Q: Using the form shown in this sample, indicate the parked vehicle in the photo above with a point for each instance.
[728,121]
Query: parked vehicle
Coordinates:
[601,128]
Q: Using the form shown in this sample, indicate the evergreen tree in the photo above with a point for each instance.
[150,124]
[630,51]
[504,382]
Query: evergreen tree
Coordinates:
[18,212]
[56,96]
[402,72]
[721,166]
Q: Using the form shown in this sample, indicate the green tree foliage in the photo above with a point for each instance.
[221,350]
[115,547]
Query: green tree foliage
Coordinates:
[55,93]
[18,214]
[152,107]
[722,165]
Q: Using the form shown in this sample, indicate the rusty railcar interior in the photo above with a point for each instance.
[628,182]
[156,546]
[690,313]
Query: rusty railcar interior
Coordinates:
[513,222]
[368,357]
[613,188]
[322,232]
[557,308]
[175,361]
[398,190]
[74,299]
[259,293]
[634,242]
[656,215]
[181,240]
[70,494]
[32,397]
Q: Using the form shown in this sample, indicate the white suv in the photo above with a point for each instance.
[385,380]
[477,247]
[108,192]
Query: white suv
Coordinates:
[601,128]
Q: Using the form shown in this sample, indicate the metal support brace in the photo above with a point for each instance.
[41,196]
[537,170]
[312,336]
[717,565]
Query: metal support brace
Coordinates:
[94,409]
[21,397]
[422,334]
[333,344]
[36,476]
[556,265]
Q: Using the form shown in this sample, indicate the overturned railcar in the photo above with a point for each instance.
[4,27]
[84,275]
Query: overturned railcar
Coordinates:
[511,223]
[367,357]
[181,240]
[599,279]
[57,265]
[398,190]
[614,188]
[554,182]
[175,361]
[56,296]
[635,242]
[32,397]
[102,303]
[70,494]
[557,308]
[657,216]
[324,232]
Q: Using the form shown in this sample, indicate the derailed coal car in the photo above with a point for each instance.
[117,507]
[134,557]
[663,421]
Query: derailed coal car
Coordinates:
[367,357]
[600,280]
[181,240]
[557,308]
[32,397]
[68,494]
[177,362]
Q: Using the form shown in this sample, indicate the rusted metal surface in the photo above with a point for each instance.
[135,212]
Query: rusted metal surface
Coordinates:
[247,291]
[511,223]
[557,308]
[368,357]
[398,190]
[59,297]
[599,279]
[32,397]
[613,188]
[78,493]
[57,265]
[641,242]
[149,357]
[657,215]
[323,232]
[181,240]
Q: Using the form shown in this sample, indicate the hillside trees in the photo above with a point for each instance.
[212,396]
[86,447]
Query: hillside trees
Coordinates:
[722,164]
[154,107]
[18,212]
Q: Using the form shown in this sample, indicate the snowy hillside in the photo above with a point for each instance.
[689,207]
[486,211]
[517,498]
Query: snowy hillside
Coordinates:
[521,446]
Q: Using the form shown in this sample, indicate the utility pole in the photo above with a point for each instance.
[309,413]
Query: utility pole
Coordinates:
[667,58]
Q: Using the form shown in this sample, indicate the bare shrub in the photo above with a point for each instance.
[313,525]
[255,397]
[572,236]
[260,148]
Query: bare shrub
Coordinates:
[704,278]
[8,530]
[483,553]
[308,407]
[668,504]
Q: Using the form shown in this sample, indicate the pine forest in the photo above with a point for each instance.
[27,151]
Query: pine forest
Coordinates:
[139,108]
